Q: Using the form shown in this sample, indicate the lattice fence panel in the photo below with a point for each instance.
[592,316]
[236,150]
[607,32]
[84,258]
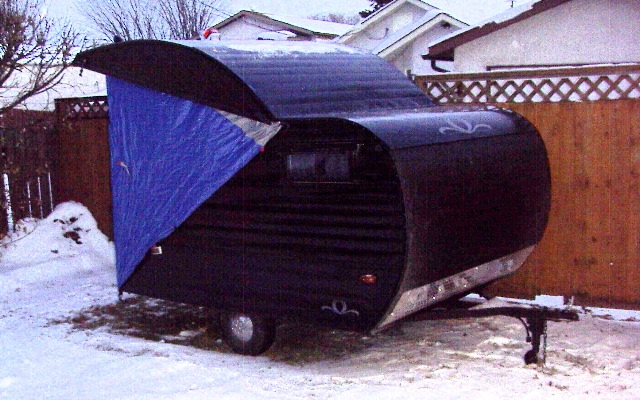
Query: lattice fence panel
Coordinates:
[535,86]
[82,108]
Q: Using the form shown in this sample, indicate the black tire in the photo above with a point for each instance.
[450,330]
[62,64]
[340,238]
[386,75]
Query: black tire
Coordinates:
[247,334]
[531,357]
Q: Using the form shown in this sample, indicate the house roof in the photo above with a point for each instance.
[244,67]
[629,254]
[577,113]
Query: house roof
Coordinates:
[443,48]
[379,14]
[315,25]
[389,8]
[297,25]
[405,35]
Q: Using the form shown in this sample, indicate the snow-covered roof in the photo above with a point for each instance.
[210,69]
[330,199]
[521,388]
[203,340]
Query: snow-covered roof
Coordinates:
[314,25]
[468,11]
[301,8]
[394,5]
[378,15]
[305,26]
[473,11]
[455,12]
[443,47]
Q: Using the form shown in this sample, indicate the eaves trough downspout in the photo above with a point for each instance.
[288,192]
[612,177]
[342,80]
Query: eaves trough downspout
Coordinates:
[434,58]
[436,68]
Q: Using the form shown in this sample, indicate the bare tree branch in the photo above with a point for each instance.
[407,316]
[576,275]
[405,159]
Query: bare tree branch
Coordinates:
[146,19]
[337,17]
[126,18]
[34,52]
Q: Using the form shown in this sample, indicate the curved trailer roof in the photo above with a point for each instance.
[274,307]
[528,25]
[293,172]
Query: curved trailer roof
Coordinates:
[261,80]
[277,81]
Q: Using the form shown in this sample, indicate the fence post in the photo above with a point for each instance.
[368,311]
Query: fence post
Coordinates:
[7,197]
[50,192]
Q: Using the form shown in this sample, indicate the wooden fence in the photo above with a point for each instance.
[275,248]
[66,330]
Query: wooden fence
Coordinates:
[25,176]
[589,119]
[82,161]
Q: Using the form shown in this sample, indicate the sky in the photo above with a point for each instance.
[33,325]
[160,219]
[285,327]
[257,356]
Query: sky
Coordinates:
[300,8]
[469,10]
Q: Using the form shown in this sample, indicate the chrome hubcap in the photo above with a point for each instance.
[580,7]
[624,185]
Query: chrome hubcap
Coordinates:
[242,327]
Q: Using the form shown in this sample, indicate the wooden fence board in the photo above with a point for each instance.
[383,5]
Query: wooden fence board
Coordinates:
[591,247]
[83,157]
[589,118]
[629,173]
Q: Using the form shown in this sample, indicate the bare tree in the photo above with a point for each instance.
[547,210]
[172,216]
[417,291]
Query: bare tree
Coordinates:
[129,19]
[337,17]
[34,52]
[186,18]
[150,19]
[376,4]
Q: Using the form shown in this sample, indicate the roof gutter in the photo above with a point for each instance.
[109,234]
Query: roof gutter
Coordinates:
[447,55]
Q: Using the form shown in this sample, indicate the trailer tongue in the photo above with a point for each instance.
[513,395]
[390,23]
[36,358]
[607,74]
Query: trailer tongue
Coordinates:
[534,318]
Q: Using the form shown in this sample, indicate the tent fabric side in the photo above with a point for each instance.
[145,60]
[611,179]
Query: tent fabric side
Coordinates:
[168,155]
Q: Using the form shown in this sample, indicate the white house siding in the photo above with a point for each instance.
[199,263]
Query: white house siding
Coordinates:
[247,29]
[373,34]
[562,35]
[410,56]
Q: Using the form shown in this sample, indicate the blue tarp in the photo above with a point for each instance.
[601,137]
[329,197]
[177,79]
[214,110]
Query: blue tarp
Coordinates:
[168,155]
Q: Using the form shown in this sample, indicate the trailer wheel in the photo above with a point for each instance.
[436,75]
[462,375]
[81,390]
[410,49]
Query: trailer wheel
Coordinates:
[530,357]
[247,334]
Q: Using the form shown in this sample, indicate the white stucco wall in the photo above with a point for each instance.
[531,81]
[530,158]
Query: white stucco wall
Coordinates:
[580,31]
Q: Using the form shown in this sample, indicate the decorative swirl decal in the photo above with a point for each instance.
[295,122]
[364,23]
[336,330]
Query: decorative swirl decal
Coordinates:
[340,307]
[459,125]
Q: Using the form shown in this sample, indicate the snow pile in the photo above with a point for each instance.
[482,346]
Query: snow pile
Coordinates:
[66,242]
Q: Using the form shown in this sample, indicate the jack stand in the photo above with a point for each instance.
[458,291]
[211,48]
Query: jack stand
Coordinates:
[534,319]
[536,327]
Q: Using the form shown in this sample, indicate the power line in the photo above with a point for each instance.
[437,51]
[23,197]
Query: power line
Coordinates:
[217,10]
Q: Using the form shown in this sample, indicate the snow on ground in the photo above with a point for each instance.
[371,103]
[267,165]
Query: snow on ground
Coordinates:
[64,334]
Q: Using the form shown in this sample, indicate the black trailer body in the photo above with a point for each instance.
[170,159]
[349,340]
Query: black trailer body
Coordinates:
[368,205]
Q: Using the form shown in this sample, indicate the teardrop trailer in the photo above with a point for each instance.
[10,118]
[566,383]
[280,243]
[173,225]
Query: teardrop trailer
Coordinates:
[311,181]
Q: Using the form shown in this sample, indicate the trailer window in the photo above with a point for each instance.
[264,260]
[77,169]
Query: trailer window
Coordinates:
[318,167]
